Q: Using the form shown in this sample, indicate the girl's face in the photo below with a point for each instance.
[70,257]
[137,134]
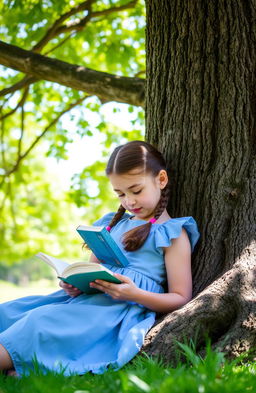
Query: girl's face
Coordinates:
[139,192]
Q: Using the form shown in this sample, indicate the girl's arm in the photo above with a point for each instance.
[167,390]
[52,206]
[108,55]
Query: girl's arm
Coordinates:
[179,278]
[178,269]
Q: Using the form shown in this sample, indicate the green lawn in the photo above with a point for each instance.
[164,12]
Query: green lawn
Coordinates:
[10,291]
[212,374]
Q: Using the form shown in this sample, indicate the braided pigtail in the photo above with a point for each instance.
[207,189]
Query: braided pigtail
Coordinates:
[163,202]
[135,238]
[117,217]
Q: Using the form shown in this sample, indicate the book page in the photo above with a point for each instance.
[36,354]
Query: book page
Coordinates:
[83,267]
[56,263]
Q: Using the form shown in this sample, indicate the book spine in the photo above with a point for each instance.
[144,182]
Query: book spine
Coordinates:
[117,262]
[112,244]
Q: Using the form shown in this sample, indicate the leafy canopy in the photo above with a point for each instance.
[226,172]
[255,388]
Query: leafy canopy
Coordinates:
[40,120]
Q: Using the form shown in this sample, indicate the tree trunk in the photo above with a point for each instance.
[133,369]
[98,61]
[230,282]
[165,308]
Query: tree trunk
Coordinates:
[200,111]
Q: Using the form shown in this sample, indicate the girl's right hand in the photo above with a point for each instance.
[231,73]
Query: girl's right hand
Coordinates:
[69,289]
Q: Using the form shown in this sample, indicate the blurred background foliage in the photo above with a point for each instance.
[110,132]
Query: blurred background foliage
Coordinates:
[43,124]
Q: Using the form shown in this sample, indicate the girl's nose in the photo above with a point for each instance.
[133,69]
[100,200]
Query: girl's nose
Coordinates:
[130,201]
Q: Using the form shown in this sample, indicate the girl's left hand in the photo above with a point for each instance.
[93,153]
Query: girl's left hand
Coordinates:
[125,291]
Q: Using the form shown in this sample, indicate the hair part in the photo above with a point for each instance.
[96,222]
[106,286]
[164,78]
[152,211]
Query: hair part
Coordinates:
[135,154]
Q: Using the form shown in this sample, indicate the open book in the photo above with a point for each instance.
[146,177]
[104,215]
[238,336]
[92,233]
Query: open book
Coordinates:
[79,274]
[103,246]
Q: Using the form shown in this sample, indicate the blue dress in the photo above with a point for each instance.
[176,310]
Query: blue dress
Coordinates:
[91,332]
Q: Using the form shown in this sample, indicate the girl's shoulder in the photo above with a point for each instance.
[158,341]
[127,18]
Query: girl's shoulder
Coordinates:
[171,229]
[163,233]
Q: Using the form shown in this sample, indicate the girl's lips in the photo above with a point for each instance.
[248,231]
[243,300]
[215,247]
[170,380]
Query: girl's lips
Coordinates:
[136,210]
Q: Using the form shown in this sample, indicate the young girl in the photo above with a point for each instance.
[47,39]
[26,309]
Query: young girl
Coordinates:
[75,333]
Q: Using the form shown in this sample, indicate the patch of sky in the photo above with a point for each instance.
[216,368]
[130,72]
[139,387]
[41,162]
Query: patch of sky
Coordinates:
[119,115]
[129,24]
[46,4]
[13,100]
[141,22]
[3,30]
[84,151]
[22,33]
[92,188]
[85,45]
[16,133]
[49,84]
[131,42]
[115,24]
[9,3]
[38,25]
[56,40]
[7,72]
[120,73]
[106,2]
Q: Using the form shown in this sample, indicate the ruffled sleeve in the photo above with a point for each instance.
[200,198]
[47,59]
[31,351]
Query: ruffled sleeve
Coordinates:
[171,229]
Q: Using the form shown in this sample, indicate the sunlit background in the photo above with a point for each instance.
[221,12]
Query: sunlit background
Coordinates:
[51,185]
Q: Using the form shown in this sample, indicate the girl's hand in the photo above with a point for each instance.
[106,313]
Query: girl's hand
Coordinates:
[69,289]
[125,291]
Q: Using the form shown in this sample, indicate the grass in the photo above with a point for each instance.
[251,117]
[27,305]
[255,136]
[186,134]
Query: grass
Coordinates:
[211,374]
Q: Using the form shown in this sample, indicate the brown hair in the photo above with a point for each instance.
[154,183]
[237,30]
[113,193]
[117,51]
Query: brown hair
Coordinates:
[132,155]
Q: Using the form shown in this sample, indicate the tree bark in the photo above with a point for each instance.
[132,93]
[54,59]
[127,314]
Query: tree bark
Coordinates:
[106,86]
[200,111]
[225,312]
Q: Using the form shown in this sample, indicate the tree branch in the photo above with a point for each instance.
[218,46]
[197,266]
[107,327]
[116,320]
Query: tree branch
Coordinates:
[80,24]
[2,149]
[53,30]
[56,29]
[37,139]
[20,104]
[22,128]
[106,86]
[26,81]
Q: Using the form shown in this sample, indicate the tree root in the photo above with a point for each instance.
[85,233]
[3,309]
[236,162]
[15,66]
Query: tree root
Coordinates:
[225,312]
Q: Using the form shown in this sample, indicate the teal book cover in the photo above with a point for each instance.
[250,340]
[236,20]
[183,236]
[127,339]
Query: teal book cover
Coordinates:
[82,280]
[103,246]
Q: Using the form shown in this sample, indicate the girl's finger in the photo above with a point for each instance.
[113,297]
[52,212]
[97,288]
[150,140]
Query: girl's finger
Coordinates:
[122,278]
[104,284]
[97,285]
[64,284]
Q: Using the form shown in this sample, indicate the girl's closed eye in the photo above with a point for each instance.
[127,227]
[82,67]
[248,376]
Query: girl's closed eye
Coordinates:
[134,192]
